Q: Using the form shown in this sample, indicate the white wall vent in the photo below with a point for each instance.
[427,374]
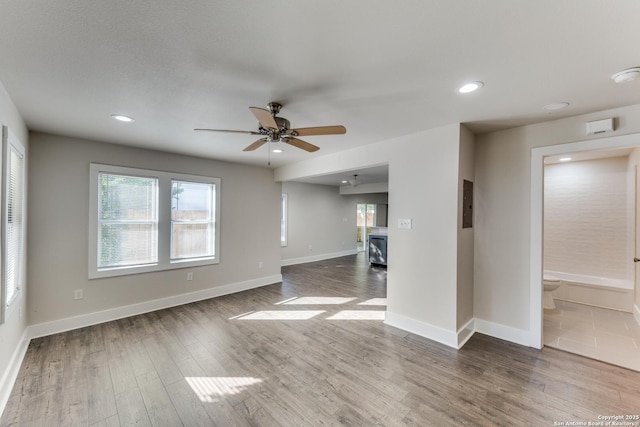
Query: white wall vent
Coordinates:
[600,126]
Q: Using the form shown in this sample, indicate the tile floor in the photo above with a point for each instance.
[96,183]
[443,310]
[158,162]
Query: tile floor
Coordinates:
[608,335]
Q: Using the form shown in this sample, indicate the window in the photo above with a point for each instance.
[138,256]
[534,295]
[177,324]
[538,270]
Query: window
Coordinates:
[283,220]
[192,220]
[127,220]
[142,220]
[13,222]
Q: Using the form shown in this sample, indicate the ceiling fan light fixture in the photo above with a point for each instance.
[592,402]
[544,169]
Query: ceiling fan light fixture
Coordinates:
[123,118]
[470,87]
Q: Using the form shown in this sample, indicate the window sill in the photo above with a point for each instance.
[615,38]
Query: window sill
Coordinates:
[151,268]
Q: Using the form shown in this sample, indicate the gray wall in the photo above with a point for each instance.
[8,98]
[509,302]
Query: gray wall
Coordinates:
[58,226]
[321,222]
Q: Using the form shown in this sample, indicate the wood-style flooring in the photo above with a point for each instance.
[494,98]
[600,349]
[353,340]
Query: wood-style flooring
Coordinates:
[311,351]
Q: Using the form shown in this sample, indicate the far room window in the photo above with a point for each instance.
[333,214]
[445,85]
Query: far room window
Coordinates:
[13,221]
[143,220]
[283,220]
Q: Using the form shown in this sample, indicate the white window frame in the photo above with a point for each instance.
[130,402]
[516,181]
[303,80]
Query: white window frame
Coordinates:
[164,221]
[284,220]
[11,143]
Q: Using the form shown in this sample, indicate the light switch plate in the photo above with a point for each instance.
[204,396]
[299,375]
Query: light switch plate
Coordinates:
[404,223]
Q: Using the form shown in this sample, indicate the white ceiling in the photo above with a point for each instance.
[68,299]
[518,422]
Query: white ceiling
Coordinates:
[372,175]
[380,68]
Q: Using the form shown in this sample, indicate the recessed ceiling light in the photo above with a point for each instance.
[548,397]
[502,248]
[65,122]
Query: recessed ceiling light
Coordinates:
[555,106]
[344,181]
[565,159]
[277,150]
[123,118]
[470,87]
[626,75]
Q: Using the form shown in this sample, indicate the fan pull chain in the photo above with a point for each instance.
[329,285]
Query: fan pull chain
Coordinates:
[269,153]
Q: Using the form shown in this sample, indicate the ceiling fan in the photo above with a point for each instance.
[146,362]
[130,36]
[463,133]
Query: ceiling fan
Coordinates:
[274,129]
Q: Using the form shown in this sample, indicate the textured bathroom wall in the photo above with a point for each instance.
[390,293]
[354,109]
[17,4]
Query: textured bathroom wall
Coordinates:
[586,228]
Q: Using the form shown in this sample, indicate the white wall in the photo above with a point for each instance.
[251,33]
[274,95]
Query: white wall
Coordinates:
[502,256]
[585,218]
[423,187]
[12,343]
[58,227]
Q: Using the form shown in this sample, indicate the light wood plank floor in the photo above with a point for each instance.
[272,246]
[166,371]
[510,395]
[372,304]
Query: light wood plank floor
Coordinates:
[310,351]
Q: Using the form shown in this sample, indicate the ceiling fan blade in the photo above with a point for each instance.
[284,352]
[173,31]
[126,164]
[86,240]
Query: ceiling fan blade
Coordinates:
[301,144]
[264,117]
[247,132]
[319,130]
[259,143]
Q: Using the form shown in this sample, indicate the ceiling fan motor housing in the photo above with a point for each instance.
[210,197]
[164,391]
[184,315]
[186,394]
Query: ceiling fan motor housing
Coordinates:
[283,124]
[281,132]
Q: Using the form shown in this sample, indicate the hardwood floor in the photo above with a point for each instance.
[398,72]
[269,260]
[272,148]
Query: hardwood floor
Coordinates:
[310,351]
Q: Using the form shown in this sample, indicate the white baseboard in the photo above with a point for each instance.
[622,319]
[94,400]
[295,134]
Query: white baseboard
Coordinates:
[11,372]
[636,313]
[62,325]
[458,339]
[503,332]
[427,330]
[466,332]
[314,258]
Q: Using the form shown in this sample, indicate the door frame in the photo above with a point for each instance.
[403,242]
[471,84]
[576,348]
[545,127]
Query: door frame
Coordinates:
[536,216]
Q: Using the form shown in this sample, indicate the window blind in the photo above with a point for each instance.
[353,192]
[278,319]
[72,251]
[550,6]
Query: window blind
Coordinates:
[15,224]
[128,220]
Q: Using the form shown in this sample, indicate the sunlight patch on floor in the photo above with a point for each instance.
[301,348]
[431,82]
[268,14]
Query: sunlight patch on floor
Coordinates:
[374,301]
[210,389]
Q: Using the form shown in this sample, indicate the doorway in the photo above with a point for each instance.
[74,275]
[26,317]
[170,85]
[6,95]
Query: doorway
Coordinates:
[536,217]
[365,219]
[588,238]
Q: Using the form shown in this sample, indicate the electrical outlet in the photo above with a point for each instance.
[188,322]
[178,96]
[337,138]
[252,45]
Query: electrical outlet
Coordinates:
[310,247]
[78,294]
[189,276]
[260,264]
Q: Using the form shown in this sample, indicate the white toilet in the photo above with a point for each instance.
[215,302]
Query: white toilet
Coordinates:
[550,284]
